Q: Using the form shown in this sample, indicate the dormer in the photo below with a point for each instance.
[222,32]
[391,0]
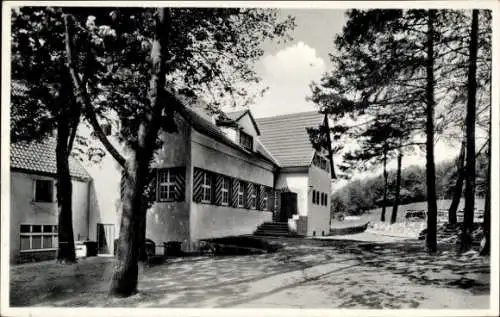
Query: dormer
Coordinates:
[240,127]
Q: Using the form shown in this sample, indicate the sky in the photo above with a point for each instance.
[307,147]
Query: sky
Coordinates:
[289,68]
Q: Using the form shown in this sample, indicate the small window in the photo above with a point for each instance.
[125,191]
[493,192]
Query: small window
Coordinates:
[241,193]
[314,196]
[246,141]
[44,190]
[106,128]
[206,188]
[314,233]
[225,191]
[265,199]
[317,198]
[166,185]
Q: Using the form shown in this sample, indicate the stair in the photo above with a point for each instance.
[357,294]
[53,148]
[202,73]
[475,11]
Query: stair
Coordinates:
[274,229]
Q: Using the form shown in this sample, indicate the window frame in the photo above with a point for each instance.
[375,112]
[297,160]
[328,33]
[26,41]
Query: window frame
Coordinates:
[169,183]
[225,191]
[206,187]
[35,190]
[241,194]
[265,200]
[249,138]
[31,234]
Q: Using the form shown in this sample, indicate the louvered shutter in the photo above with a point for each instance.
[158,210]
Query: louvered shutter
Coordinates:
[248,195]
[197,181]
[260,197]
[180,183]
[218,189]
[234,193]
[122,185]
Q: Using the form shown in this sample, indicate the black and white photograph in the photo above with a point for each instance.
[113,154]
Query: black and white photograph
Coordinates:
[300,158]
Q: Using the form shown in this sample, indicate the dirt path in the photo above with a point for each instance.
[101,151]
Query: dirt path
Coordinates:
[306,273]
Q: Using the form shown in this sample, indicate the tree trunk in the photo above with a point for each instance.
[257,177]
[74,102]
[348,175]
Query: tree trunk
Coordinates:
[431,241]
[485,249]
[66,244]
[394,214]
[125,276]
[132,228]
[457,191]
[470,124]
[384,202]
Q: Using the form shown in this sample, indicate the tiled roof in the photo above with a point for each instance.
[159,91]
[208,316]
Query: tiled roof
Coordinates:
[40,157]
[206,127]
[287,139]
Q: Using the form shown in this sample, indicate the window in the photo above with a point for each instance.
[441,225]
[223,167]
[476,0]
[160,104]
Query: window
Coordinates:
[241,193]
[44,190]
[206,189]
[38,237]
[314,196]
[317,198]
[166,185]
[246,141]
[106,128]
[323,163]
[225,191]
[253,196]
[265,200]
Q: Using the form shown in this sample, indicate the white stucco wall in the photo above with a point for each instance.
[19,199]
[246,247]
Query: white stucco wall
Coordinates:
[23,210]
[169,221]
[246,125]
[318,219]
[210,221]
[104,194]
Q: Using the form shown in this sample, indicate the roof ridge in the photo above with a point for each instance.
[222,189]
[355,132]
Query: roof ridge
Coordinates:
[290,115]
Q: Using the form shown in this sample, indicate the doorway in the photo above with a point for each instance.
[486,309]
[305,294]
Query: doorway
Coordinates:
[288,206]
[105,236]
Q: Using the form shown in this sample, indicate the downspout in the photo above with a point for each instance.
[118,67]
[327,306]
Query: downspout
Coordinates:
[89,189]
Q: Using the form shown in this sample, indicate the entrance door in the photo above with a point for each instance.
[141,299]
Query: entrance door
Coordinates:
[105,236]
[288,206]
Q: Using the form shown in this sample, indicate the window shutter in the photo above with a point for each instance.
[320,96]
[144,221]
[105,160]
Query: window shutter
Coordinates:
[122,185]
[218,189]
[151,189]
[197,180]
[260,197]
[180,183]
[248,195]
[234,193]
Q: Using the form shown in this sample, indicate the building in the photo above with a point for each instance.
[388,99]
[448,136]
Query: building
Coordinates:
[224,177]
[214,178]
[33,203]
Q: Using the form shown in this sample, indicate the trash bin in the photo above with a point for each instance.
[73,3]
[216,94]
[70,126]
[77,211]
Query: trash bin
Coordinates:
[172,248]
[91,247]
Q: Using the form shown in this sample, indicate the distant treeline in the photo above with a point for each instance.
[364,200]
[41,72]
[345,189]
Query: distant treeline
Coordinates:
[364,194]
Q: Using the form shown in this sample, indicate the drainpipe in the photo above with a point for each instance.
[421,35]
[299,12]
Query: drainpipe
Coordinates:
[89,210]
